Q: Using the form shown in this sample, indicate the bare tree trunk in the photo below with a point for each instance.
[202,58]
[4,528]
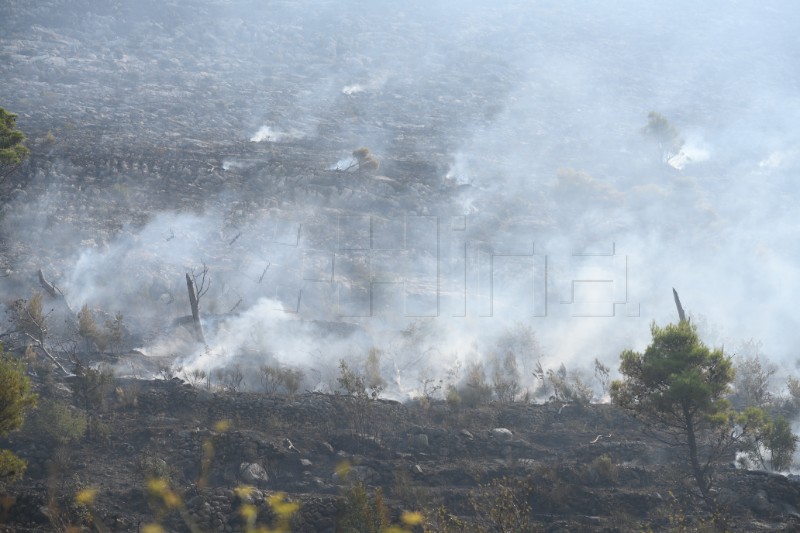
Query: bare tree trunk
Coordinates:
[198,328]
[681,314]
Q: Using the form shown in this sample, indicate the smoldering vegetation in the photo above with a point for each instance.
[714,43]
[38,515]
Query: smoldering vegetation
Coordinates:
[514,183]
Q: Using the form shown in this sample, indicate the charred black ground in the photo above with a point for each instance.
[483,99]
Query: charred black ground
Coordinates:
[244,118]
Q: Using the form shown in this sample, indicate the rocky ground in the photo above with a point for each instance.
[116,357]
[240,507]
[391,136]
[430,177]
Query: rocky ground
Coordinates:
[577,466]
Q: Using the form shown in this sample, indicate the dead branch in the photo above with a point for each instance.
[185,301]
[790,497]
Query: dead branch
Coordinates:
[264,273]
[41,346]
[201,288]
[235,306]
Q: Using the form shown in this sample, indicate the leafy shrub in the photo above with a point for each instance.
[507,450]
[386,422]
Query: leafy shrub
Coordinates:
[605,469]
[91,387]
[55,422]
[153,467]
[505,378]
[361,512]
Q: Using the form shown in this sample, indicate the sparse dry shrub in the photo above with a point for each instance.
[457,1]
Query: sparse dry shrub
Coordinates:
[550,490]
[575,184]
[114,331]
[361,153]
[751,386]
[372,368]
[366,160]
[292,378]
[87,328]
[505,378]
[439,520]
[452,397]
[195,377]
[276,378]
[234,378]
[602,373]
[30,319]
[502,505]
[270,378]
[127,396]
[475,390]
[360,405]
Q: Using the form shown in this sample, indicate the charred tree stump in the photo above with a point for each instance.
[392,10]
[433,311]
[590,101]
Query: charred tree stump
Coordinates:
[193,302]
[53,291]
[46,285]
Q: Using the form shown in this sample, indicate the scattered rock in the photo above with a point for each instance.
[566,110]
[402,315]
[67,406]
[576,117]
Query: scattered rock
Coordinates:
[253,473]
[502,434]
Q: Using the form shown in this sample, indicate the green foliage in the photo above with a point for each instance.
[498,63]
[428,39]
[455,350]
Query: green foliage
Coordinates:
[91,387]
[11,467]
[114,330]
[153,467]
[15,399]
[56,422]
[362,512]
[87,328]
[358,385]
[109,336]
[677,386]
[664,133]
[770,442]
[15,393]
[568,388]
[605,469]
[12,150]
